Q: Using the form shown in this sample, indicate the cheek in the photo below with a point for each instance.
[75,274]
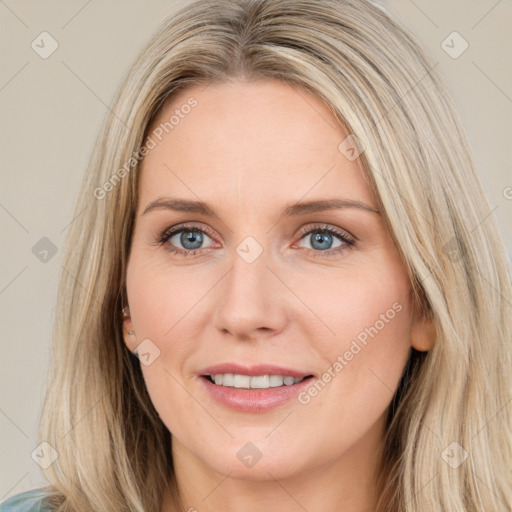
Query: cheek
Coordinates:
[168,307]
[361,304]
[163,299]
[370,314]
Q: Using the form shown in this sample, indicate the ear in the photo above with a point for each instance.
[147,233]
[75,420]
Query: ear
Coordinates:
[423,331]
[128,332]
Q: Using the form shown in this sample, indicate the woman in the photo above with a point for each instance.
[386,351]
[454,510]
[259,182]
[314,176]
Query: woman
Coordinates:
[283,294]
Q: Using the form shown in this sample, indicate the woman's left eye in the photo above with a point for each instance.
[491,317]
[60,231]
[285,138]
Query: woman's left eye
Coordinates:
[321,239]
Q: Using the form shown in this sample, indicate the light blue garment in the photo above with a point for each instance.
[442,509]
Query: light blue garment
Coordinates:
[28,501]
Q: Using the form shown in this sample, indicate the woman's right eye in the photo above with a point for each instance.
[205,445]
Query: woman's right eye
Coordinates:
[190,238]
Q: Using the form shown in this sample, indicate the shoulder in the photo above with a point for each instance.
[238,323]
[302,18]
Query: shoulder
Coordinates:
[28,501]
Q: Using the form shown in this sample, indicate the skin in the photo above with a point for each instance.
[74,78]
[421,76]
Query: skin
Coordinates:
[249,149]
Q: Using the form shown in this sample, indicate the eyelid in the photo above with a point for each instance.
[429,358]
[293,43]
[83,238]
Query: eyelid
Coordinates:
[322,226]
[164,236]
[187,226]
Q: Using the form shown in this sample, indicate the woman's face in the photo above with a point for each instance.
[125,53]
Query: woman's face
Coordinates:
[232,273]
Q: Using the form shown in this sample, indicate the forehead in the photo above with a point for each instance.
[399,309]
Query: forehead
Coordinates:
[248,139]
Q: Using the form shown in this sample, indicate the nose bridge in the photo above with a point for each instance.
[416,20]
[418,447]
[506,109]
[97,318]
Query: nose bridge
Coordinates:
[250,294]
[249,266]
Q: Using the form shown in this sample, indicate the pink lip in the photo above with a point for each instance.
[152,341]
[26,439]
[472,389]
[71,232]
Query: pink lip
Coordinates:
[261,369]
[252,400]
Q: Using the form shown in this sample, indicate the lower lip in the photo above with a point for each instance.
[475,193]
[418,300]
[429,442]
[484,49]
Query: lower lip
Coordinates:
[253,400]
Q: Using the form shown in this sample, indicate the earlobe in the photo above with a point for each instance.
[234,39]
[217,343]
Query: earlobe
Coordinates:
[423,334]
[128,332]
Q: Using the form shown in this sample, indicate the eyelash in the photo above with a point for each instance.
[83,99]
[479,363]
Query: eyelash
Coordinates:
[347,239]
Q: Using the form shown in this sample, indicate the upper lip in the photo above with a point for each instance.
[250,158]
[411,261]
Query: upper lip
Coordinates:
[253,370]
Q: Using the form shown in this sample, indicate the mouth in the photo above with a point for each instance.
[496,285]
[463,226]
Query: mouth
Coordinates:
[253,389]
[239,381]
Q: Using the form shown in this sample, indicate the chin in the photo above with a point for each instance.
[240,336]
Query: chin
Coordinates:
[259,460]
[262,470]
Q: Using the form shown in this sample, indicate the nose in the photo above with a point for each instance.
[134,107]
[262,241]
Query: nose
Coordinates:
[253,302]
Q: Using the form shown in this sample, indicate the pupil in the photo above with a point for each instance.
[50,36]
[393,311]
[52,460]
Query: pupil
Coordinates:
[190,238]
[321,238]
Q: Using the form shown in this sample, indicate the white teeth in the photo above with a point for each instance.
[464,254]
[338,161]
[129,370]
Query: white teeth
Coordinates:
[255,382]
[260,382]
[276,381]
[242,381]
[228,380]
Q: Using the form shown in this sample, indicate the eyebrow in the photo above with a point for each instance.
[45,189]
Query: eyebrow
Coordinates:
[299,208]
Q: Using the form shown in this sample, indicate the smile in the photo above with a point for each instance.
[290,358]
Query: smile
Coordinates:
[231,380]
[253,388]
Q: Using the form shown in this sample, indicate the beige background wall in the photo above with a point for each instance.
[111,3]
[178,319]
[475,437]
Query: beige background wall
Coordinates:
[51,110]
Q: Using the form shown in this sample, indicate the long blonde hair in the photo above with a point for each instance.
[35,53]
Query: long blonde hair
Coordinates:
[114,451]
